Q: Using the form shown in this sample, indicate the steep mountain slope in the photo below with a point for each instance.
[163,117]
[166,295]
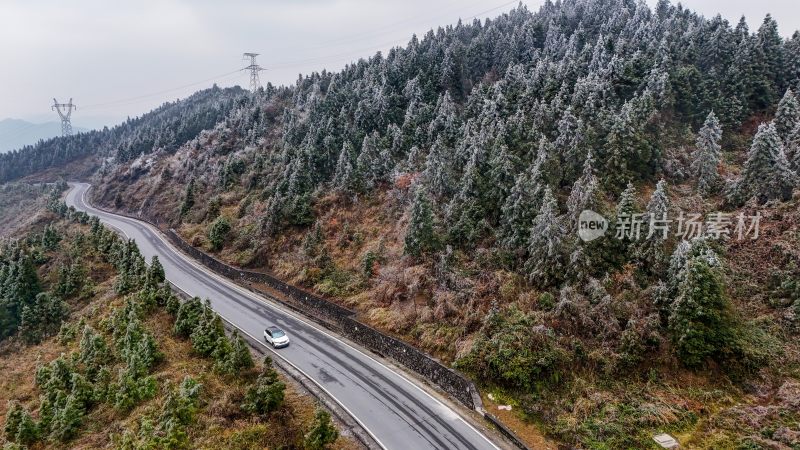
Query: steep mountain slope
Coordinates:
[437,190]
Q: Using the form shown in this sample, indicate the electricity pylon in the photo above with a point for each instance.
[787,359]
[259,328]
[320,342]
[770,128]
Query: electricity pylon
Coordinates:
[66,125]
[254,68]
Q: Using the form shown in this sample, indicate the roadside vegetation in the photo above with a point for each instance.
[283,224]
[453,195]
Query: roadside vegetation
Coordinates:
[98,352]
[436,189]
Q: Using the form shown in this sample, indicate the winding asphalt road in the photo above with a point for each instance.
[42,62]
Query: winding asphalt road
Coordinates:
[397,413]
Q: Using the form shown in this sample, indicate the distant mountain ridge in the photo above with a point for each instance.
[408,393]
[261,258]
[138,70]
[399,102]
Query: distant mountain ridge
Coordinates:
[17,133]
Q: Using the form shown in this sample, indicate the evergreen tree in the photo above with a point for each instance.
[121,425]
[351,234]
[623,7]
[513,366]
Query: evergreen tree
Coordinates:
[42,318]
[618,249]
[369,164]
[50,237]
[446,122]
[769,59]
[28,431]
[14,412]
[628,150]
[237,358]
[522,205]
[188,199]
[438,173]
[787,117]
[685,252]
[651,248]
[627,201]
[700,321]
[766,174]
[218,232]
[707,156]
[793,148]
[584,194]
[420,236]
[345,179]
[20,427]
[503,167]
[70,279]
[19,287]
[569,143]
[188,317]
[155,273]
[94,351]
[322,432]
[467,211]
[67,419]
[208,332]
[545,260]
[266,394]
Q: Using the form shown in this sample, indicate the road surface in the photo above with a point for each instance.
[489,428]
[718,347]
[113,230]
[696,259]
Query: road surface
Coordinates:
[397,413]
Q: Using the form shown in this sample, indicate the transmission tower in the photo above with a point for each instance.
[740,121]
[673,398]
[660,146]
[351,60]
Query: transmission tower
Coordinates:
[66,126]
[254,68]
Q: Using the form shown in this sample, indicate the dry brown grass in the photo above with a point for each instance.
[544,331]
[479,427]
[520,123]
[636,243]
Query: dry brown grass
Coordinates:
[219,421]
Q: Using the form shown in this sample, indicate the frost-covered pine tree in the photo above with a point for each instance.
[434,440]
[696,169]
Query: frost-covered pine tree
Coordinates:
[628,151]
[627,201]
[788,115]
[766,173]
[420,235]
[619,247]
[369,164]
[503,167]
[707,156]
[700,318]
[584,193]
[568,143]
[684,251]
[344,180]
[544,264]
[188,199]
[651,248]
[446,122]
[521,206]
[438,173]
[466,212]
[792,148]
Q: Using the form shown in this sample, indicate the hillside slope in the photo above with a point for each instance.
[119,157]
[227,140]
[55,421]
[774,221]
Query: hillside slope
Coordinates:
[437,190]
[104,357]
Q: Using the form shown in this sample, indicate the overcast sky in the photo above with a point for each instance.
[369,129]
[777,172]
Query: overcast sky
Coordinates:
[123,58]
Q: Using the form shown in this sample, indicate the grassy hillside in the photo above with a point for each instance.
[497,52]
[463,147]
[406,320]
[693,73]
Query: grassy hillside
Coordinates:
[438,190]
[110,370]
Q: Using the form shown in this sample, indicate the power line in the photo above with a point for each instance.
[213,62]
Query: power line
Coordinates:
[284,64]
[154,94]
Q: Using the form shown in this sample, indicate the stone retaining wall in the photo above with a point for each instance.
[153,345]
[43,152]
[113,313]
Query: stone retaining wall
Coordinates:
[410,357]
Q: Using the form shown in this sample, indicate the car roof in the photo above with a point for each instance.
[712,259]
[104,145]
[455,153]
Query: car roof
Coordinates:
[274,329]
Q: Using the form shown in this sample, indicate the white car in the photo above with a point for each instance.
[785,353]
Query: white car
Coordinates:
[276,337]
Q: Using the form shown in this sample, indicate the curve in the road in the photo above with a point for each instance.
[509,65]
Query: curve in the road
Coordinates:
[397,413]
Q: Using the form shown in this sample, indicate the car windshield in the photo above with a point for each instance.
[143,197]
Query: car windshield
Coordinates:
[278,333]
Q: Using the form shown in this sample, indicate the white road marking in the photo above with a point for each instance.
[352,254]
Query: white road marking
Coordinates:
[280,308]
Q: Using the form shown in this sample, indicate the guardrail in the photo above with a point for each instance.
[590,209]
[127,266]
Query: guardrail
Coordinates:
[358,432]
[447,379]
